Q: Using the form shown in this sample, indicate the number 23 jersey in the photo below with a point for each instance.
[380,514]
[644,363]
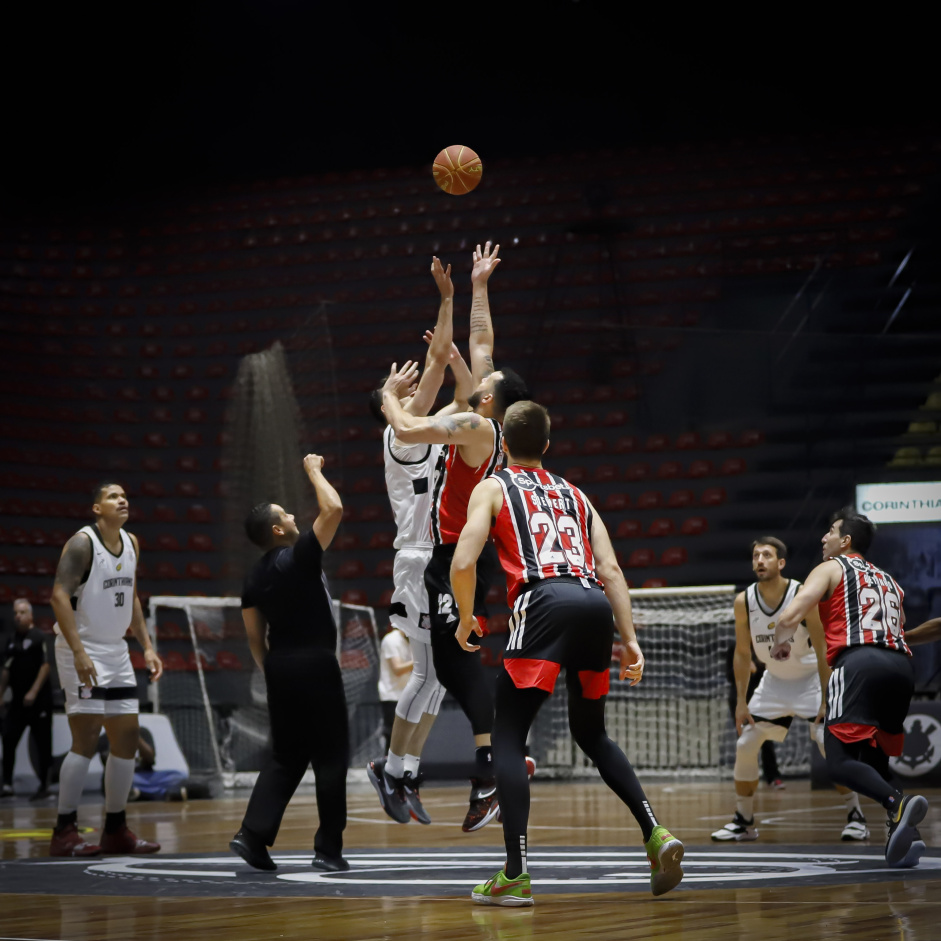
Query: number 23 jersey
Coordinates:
[543,529]
[104,602]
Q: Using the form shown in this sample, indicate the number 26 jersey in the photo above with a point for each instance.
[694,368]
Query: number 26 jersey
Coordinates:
[543,529]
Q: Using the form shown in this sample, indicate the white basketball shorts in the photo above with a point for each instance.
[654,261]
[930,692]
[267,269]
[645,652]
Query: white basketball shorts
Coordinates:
[115,693]
[775,698]
[408,610]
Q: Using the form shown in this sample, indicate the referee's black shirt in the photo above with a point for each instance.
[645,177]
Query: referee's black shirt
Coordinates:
[287,585]
[24,656]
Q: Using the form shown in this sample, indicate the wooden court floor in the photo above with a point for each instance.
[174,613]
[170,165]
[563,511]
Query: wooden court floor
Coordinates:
[574,816]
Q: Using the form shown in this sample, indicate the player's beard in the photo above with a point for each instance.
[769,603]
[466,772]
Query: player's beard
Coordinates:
[473,400]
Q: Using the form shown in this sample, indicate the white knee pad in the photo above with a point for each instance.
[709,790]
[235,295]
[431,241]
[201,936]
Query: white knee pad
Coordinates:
[749,744]
[423,693]
[816,733]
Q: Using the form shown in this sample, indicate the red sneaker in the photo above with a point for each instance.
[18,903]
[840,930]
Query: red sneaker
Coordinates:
[126,843]
[69,842]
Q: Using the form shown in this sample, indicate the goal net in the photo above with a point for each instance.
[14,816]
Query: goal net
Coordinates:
[677,720]
[214,695]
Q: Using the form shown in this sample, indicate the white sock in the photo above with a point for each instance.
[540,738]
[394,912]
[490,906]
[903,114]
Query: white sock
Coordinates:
[72,776]
[852,802]
[395,766]
[119,778]
[745,806]
[411,764]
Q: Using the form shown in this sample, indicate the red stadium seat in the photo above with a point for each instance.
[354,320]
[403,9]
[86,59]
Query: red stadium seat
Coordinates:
[637,471]
[188,464]
[346,541]
[562,447]
[657,443]
[191,439]
[576,475]
[584,420]
[733,466]
[694,526]
[750,437]
[641,558]
[625,444]
[615,502]
[164,514]
[680,498]
[605,473]
[649,499]
[699,468]
[713,496]
[385,599]
[199,570]
[382,539]
[227,660]
[629,529]
[188,488]
[45,567]
[655,583]
[203,659]
[173,660]
[594,445]
[615,418]
[372,512]
[151,488]
[167,543]
[197,513]
[384,569]
[688,441]
[137,660]
[200,542]
[351,568]
[661,527]
[675,555]
[354,596]
[43,594]
[669,470]
[719,439]
[165,571]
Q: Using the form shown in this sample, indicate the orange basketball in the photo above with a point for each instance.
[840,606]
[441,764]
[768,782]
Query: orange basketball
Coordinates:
[457,170]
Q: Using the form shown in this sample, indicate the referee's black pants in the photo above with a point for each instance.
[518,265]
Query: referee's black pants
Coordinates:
[38,718]
[309,726]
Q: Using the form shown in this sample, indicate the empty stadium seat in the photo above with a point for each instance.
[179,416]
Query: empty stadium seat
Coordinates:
[681,498]
[640,558]
[637,471]
[173,660]
[165,571]
[649,499]
[669,470]
[346,541]
[200,542]
[615,418]
[694,526]
[384,569]
[385,599]
[661,527]
[688,441]
[198,570]
[167,543]
[700,468]
[615,502]
[750,437]
[354,596]
[382,539]
[227,660]
[576,475]
[351,568]
[732,466]
[719,439]
[656,443]
[197,513]
[675,555]
[605,473]
[594,445]
[655,583]
[625,444]
[713,496]
[562,447]
[629,529]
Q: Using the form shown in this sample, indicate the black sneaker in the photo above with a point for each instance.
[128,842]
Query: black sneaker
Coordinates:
[901,826]
[330,863]
[484,804]
[415,806]
[391,791]
[6,791]
[252,850]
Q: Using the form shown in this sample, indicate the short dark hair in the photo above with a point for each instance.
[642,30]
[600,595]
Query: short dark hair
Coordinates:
[258,524]
[507,390]
[859,528]
[779,546]
[101,486]
[526,429]
[375,402]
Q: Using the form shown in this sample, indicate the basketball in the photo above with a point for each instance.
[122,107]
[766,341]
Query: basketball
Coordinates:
[457,170]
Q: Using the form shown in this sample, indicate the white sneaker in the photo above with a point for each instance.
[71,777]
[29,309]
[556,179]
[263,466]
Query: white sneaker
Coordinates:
[855,828]
[740,830]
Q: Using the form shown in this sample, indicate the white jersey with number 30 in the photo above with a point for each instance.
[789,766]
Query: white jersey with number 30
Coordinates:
[104,602]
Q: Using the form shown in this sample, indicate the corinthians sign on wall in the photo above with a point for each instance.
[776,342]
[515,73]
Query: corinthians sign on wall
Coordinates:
[900,503]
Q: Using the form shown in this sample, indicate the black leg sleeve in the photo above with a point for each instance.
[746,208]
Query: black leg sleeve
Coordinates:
[463,675]
[847,766]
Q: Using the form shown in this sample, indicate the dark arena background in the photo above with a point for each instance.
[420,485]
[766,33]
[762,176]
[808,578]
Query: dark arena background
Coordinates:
[721,274]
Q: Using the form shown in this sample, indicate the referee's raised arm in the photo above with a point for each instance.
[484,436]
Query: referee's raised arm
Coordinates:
[331,506]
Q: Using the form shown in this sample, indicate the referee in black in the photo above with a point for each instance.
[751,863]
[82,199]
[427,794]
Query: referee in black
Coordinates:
[289,621]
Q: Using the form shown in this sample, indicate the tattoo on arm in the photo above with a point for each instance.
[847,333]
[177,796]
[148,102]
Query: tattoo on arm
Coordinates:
[74,563]
[450,424]
[480,317]
[488,366]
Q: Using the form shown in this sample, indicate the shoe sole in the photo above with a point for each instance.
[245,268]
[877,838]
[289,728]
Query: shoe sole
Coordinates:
[913,856]
[901,841]
[504,901]
[245,853]
[494,810]
[855,836]
[736,838]
[380,791]
[671,873]
[425,820]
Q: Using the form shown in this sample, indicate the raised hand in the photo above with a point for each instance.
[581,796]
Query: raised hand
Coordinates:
[484,263]
[442,277]
[401,381]
[313,463]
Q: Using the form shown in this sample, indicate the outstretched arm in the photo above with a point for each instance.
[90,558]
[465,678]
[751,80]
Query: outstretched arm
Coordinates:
[925,633]
[615,588]
[463,381]
[331,506]
[439,349]
[819,583]
[481,326]
[485,502]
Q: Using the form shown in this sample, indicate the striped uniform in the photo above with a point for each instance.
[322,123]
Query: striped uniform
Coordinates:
[561,617]
[787,687]
[104,606]
[871,685]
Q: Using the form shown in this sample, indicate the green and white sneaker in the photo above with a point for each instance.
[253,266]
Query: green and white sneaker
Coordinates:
[665,853]
[499,890]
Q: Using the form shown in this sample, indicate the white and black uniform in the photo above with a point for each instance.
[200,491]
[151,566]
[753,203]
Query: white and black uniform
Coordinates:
[409,475]
[787,687]
[104,607]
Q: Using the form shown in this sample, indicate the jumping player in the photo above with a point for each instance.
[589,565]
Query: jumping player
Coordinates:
[786,689]
[95,601]
[472,453]
[567,592]
[409,470]
[870,688]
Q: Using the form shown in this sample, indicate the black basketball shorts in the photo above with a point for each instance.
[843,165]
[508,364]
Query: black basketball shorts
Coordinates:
[560,623]
[441,605]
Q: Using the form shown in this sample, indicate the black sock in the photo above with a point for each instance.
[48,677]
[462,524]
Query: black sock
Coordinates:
[483,763]
[65,820]
[891,803]
[115,822]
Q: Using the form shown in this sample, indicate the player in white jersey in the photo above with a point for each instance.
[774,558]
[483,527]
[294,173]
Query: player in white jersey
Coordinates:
[409,473]
[787,688]
[95,601]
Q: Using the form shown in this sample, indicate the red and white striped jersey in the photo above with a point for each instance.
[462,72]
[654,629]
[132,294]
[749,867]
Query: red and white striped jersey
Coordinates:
[453,486]
[543,530]
[865,608]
